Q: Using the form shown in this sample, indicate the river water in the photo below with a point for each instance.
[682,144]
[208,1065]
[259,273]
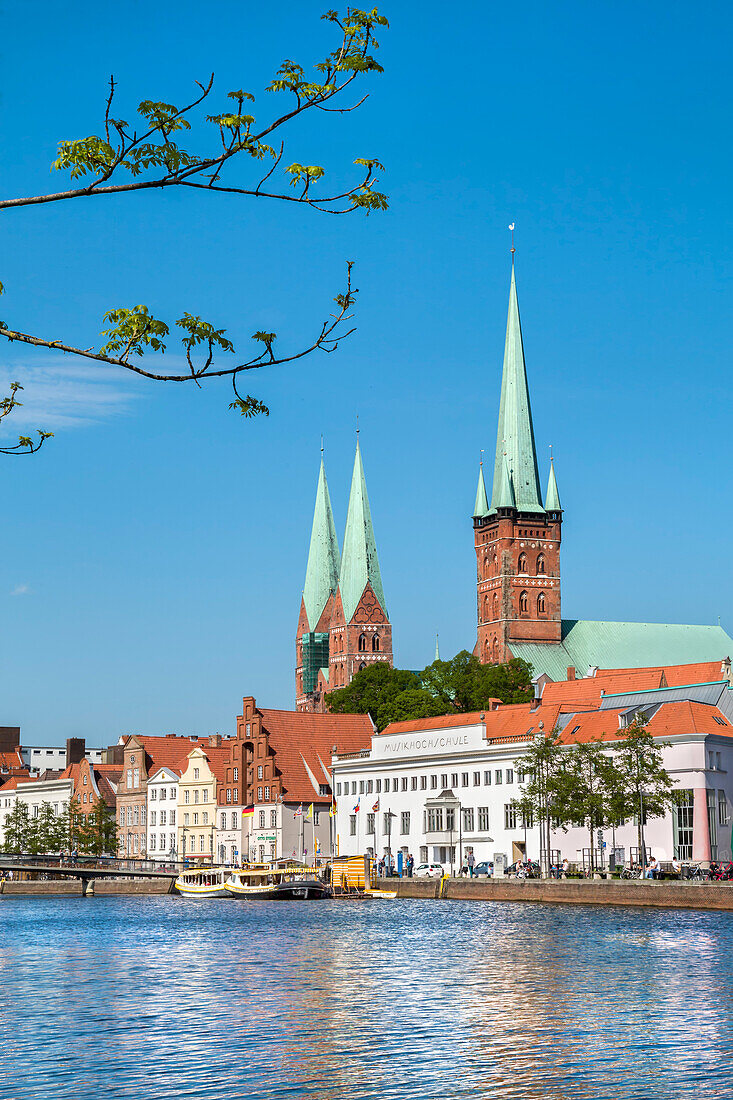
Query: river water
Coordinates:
[160,997]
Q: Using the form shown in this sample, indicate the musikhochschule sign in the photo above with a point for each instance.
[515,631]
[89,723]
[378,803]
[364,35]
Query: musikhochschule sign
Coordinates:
[428,743]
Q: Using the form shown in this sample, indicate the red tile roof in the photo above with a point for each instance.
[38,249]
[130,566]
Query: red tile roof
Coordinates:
[672,719]
[586,693]
[514,722]
[301,738]
[12,783]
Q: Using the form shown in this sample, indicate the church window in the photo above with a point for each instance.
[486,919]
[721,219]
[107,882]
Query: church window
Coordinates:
[540,563]
[375,644]
[541,606]
[523,603]
[522,563]
[361,666]
[496,649]
[486,608]
[496,605]
[362,643]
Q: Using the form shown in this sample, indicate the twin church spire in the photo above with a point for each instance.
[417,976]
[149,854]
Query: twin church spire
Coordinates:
[343,623]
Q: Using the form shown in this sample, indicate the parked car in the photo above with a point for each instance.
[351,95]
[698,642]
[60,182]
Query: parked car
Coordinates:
[428,870]
[485,868]
[524,869]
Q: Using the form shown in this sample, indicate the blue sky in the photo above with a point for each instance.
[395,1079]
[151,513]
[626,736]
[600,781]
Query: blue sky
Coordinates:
[153,554]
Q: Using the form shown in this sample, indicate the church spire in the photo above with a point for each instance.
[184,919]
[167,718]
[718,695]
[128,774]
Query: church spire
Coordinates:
[515,434]
[359,561]
[552,500]
[322,572]
[481,507]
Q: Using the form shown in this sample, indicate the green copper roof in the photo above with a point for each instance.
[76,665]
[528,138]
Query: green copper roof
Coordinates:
[359,561]
[623,645]
[552,500]
[504,497]
[481,507]
[437,648]
[515,435]
[322,572]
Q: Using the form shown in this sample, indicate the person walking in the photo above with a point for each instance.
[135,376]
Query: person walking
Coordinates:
[410,864]
[565,867]
[471,862]
[464,867]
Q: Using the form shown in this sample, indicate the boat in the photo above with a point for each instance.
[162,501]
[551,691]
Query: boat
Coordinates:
[203,882]
[281,882]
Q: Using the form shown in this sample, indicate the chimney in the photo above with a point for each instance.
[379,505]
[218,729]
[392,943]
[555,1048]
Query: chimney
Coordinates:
[75,750]
[494,704]
[215,740]
[571,674]
[9,738]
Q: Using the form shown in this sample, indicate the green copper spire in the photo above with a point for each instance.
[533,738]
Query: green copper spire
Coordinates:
[481,507]
[437,648]
[322,573]
[515,435]
[504,497]
[359,561]
[552,500]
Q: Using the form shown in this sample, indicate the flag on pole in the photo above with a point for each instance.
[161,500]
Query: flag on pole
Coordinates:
[332,811]
[298,812]
[309,814]
[248,811]
[356,807]
[375,807]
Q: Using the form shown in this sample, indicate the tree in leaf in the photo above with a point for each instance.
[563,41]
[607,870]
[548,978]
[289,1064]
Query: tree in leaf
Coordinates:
[384,693]
[644,786]
[17,829]
[544,791]
[98,830]
[464,684]
[586,788]
[125,157]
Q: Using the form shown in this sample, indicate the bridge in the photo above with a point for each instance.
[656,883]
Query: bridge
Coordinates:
[88,868]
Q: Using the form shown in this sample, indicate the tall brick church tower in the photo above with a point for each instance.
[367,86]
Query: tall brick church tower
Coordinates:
[343,624]
[517,538]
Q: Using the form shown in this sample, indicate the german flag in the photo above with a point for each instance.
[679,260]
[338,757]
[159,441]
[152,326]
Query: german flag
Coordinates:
[248,811]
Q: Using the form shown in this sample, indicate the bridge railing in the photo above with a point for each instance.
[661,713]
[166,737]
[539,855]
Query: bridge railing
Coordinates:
[94,863]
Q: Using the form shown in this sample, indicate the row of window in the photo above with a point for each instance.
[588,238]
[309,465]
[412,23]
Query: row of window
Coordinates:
[187,796]
[420,782]
[492,608]
[165,817]
[491,564]
[204,819]
[133,815]
[439,819]
[163,793]
[160,845]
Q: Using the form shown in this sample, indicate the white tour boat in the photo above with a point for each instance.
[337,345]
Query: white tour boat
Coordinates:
[204,882]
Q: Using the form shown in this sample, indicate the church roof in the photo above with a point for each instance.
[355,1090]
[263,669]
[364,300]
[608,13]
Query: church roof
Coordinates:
[322,571]
[515,434]
[359,561]
[623,645]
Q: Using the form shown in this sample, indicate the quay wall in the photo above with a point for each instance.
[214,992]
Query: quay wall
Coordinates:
[669,895]
[104,887]
[69,886]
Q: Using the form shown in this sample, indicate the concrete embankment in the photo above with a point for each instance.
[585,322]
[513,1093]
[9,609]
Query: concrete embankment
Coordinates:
[104,887]
[669,895]
[43,887]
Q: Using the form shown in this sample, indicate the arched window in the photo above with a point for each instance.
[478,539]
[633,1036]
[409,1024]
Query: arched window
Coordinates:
[375,644]
[496,649]
[522,563]
[540,563]
[541,606]
[523,603]
[486,609]
[361,666]
[496,605]
[362,643]
[486,565]
[495,564]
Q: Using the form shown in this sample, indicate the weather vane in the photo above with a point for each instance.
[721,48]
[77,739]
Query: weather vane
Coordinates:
[513,250]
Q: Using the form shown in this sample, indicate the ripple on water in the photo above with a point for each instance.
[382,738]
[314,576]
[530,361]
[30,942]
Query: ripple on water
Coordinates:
[159,997]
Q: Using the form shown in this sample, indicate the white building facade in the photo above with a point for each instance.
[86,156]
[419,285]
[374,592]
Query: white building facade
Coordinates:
[439,790]
[162,806]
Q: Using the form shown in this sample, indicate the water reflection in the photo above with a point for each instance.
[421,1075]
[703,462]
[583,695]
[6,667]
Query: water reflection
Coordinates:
[131,997]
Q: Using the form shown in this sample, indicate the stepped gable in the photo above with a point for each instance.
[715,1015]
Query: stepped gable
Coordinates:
[302,742]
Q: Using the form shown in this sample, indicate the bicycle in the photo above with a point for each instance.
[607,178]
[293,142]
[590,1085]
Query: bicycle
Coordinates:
[631,872]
